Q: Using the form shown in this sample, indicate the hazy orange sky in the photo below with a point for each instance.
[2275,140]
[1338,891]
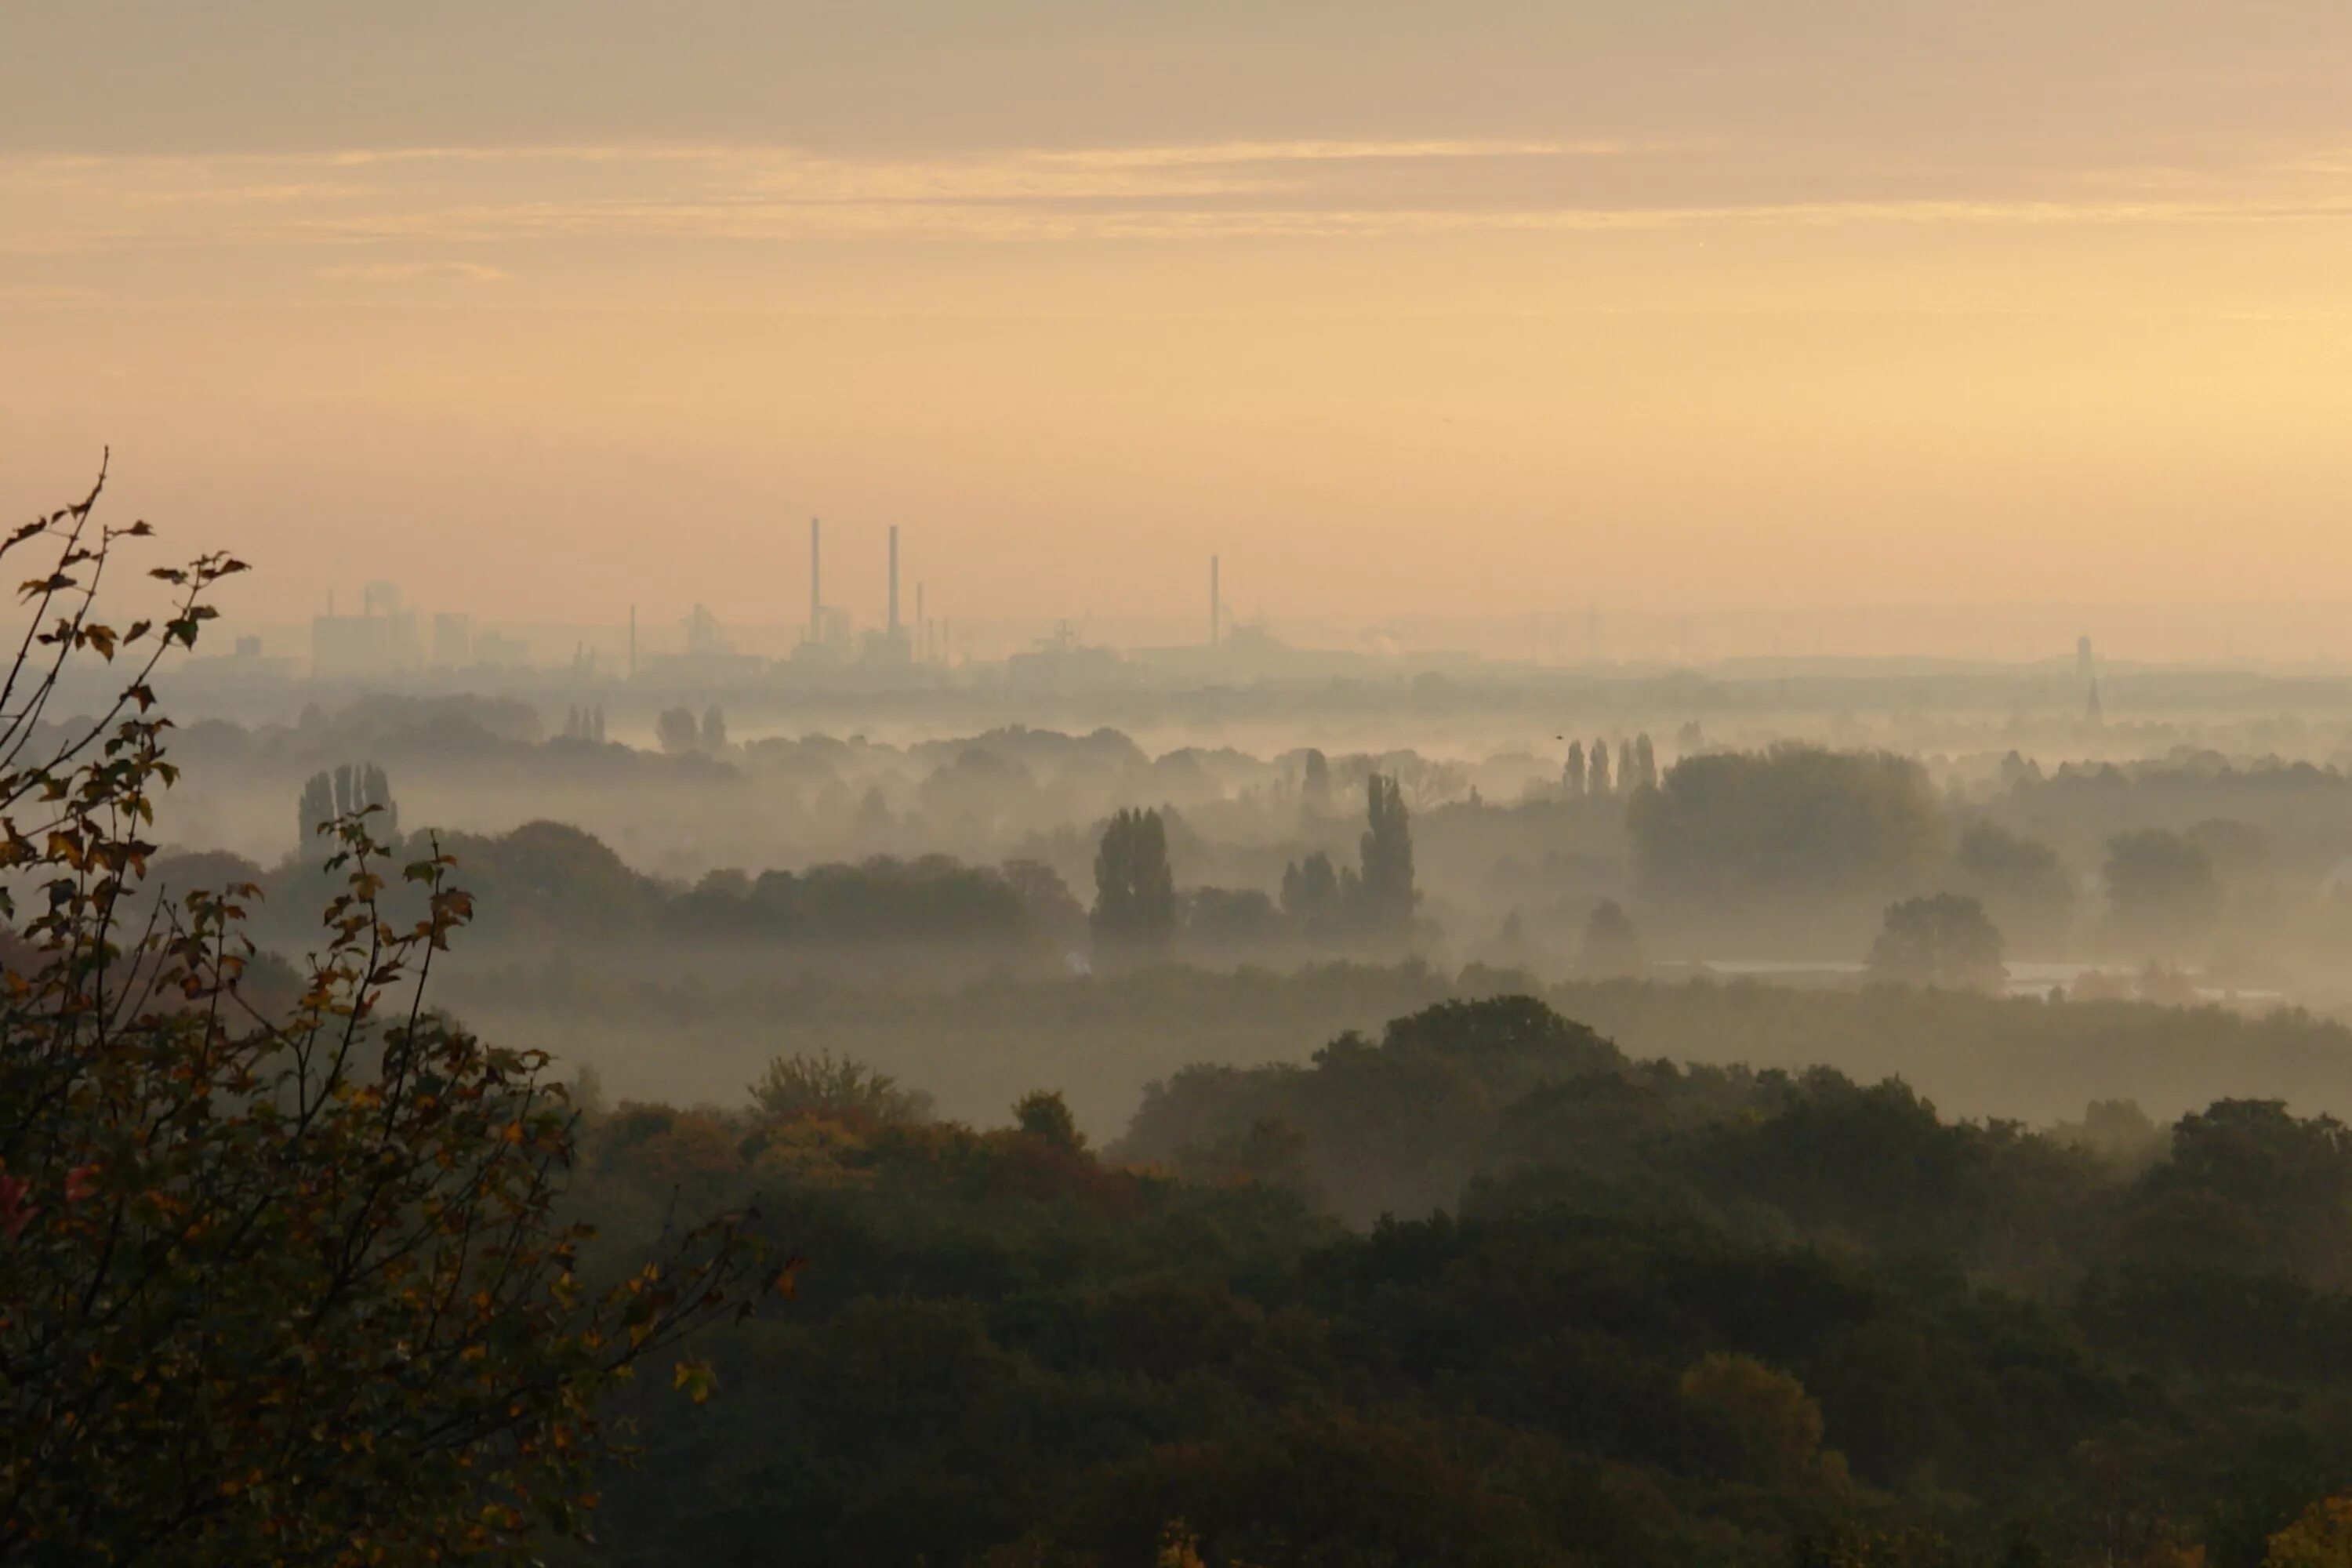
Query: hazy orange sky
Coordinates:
[1458,308]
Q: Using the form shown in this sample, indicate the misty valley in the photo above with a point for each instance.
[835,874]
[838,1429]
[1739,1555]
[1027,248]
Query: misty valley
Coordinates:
[923,784]
[1751,1131]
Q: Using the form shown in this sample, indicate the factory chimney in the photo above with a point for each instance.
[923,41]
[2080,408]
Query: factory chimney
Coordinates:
[816,596]
[894,582]
[1216,607]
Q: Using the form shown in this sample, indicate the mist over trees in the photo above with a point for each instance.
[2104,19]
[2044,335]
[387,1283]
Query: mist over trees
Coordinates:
[1529,1034]
[1535,857]
[1385,882]
[1415,1184]
[1612,948]
[2162,894]
[1793,820]
[585,723]
[677,729]
[2017,879]
[351,790]
[1135,893]
[1944,939]
[1587,1300]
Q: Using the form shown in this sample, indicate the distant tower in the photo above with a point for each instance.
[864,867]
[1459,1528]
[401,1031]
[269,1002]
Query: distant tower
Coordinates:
[2093,714]
[817,593]
[922,629]
[2083,662]
[894,582]
[633,642]
[1216,607]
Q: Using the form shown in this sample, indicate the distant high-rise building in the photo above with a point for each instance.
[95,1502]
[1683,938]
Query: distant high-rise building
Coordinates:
[382,642]
[496,651]
[2094,714]
[703,637]
[452,640]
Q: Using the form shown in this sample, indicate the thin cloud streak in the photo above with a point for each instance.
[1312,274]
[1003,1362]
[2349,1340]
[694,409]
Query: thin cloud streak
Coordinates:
[411,272]
[209,164]
[918,221]
[1228,190]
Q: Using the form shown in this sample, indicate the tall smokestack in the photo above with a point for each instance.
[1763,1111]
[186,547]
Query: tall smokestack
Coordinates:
[893,580]
[817,595]
[1216,607]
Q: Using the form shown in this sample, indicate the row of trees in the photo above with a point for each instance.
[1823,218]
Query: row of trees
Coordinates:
[1135,890]
[2163,895]
[354,789]
[1374,900]
[1597,1310]
[1728,837]
[678,731]
[1724,838]
[1137,908]
[1791,820]
[1587,773]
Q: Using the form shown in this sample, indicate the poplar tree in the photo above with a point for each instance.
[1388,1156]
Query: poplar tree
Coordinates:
[1386,889]
[1135,892]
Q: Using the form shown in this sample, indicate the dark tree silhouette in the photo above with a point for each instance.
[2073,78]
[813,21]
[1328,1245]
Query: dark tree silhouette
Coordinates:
[1387,887]
[1943,939]
[350,791]
[1612,949]
[1315,781]
[282,1283]
[1135,893]
[2162,895]
[676,730]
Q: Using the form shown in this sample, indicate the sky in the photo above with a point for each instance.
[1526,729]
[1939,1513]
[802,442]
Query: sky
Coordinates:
[1461,310]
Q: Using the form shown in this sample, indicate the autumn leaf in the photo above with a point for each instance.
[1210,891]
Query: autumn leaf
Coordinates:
[696,1379]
